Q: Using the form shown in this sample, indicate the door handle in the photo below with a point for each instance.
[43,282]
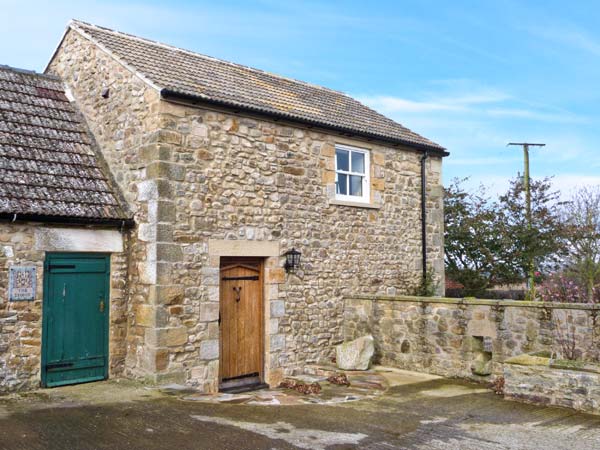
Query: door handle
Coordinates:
[101,306]
[238,291]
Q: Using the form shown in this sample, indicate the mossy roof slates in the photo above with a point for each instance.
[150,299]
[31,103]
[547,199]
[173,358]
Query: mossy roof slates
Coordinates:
[49,165]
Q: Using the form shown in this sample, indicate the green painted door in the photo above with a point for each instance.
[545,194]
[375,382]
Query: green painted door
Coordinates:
[75,318]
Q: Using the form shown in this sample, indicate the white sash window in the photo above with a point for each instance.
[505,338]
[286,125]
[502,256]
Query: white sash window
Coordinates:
[352,174]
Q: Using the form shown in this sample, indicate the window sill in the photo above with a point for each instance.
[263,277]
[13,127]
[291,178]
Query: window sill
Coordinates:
[354,204]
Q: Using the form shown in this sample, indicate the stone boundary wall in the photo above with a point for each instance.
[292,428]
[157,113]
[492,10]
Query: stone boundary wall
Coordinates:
[543,382]
[467,338]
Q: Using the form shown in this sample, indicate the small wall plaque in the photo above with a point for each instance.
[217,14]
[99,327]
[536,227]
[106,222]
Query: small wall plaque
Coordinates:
[21,283]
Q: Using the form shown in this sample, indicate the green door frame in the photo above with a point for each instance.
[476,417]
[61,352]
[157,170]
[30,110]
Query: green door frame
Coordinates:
[63,255]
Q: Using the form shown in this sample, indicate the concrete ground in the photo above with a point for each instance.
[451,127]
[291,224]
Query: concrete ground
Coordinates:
[416,412]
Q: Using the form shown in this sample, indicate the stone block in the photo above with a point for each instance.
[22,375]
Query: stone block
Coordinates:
[145,315]
[328,176]
[161,359]
[164,273]
[198,373]
[154,359]
[277,308]
[273,326]
[213,293]
[169,252]
[199,130]
[276,342]
[212,372]
[166,211]
[146,232]
[210,276]
[378,158]
[275,275]
[147,272]
[174,377]
[209,349]
[167,337]
[378,184]
[328,150]
[147,190]
[162,169]
[297,171]
[209,312]
[164,232]
[355,355]
[172,109]
[154,152]
[166,294]
[169,137]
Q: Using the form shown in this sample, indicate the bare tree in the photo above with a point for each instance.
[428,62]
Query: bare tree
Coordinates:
[582,217]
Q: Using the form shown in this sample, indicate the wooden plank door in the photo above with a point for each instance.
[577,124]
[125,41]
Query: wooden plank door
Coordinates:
[75,318]
[241,320]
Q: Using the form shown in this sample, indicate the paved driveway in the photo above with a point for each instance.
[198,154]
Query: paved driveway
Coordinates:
[422,414]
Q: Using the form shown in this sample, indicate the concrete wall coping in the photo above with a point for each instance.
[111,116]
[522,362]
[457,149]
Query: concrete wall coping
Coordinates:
[471,301]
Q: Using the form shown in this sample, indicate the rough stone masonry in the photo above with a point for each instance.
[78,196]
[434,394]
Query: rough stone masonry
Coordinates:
[199,178]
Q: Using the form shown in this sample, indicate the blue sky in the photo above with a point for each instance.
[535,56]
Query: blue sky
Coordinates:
[471,75]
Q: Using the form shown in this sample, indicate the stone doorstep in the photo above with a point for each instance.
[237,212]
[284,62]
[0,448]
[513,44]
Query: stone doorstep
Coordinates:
[363,385]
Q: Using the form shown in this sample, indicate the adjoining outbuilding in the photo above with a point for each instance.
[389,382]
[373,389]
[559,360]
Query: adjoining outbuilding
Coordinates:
[60,241]
[226,170]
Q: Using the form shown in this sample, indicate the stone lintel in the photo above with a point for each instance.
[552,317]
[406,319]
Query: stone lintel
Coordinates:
[77,240]
[218,247]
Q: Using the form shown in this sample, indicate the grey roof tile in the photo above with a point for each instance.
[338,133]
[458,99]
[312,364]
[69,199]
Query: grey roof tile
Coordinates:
[49,165]
[210,79]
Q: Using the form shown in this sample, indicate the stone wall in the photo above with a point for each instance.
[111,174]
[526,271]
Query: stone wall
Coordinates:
[21,321]
[466,337]
[195,175]
[559,383]
[125,124]
[252,180]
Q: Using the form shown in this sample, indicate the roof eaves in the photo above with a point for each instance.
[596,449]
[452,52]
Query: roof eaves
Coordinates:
[122,223]
[168,93]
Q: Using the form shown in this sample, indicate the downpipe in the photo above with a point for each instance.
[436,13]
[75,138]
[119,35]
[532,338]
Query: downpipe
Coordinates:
[424,214]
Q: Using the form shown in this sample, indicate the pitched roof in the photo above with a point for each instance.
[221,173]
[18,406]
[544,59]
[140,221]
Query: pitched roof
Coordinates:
[49,167]
[176,71]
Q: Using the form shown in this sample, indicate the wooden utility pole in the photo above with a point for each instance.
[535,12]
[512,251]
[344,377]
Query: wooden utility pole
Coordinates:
[527,184]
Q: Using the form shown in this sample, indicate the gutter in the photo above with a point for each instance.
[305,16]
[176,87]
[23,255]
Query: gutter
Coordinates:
[117,223]
[170,94]
[424,214]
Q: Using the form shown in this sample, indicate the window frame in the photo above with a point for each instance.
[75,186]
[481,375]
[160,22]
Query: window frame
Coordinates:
[366,176]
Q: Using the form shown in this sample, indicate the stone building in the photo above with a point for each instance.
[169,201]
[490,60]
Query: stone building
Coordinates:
[61,215]
[225,169]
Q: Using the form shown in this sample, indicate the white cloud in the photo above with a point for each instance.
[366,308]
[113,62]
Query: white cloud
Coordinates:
[481,161]
[564,117]
[491,103]
[459,102]
[570,36]
[566,183]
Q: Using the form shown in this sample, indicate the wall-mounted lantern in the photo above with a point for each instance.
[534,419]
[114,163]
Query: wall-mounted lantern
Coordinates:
[292,260]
